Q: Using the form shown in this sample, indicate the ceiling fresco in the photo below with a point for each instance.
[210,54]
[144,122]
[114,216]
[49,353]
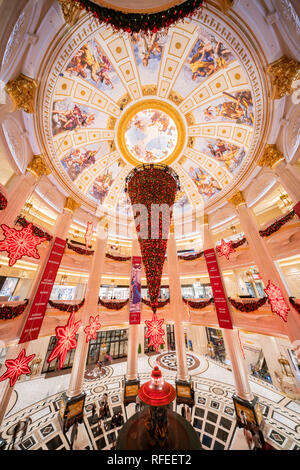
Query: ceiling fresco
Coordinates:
[189,69]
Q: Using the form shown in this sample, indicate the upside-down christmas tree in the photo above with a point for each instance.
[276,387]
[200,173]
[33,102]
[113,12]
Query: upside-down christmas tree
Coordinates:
[149,187]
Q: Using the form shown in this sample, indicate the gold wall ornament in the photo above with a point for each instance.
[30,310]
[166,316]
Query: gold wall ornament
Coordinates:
[190,119]
[175,97]
[111,122]
[71,205]
[38,167]
[124,100]
[271,156]
[70,11]
[225,5]
[22,93]
[237,199]
[283,72]
[191,142]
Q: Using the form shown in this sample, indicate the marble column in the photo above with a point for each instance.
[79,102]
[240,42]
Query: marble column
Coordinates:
[133,332]
[176,307]
[262,257]
[22,190]
[231,339]
[90,309]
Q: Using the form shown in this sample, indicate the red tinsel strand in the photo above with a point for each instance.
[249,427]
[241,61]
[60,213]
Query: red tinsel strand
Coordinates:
[198,304]
[191,257]
[79,250]
[64,307]
[277,225]
[249,306]
[118,258]
[113,304]
[8,312]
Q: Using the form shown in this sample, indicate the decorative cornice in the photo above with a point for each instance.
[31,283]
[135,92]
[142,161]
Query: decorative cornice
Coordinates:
[237,199]
[225,5]
[283,72]
[71,205]
[38,167]
[22,92]
[70,11]
[271,156]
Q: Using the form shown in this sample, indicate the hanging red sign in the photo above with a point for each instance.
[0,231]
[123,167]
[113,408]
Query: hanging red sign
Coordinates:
[135,291]
[297,209]
[218,289]
[38,308]
[89,234]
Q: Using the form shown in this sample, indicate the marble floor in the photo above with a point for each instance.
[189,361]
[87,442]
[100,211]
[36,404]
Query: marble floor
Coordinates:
[213,415]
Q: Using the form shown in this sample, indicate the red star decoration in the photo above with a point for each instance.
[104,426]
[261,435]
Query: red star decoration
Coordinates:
[91,329]
[276,300]
[225,249]
[17,367]
[155,332]
[66,340]
[20,243]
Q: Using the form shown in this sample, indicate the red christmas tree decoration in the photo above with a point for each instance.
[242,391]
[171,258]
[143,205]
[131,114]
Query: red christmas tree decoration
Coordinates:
[92,328]
[19,243]
[17,367]
[155,332]
[225,249]
[150,186]
[66,336]
[276,300]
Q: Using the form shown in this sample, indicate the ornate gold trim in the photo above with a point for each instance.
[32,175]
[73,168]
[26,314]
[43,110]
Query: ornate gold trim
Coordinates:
[70,11]
[38,166]
[225,5]
[150,104]
[237,199]
[271,156]
[22,92]
[283,72]
[71,205]
[157,9]
[175,97]
[148,90]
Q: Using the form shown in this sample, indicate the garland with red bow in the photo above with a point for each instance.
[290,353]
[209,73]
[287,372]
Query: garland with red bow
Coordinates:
[3,202]
[38,232]
[63,307]
[198,304]
[294,304]
[8,312]
[79,250]
[159,304]
[136,22]
[277,224]
[118,258]
[191,257]
[113,304]
[249,306]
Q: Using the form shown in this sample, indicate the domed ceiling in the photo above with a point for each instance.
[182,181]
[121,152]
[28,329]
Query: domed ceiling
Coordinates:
[111,102]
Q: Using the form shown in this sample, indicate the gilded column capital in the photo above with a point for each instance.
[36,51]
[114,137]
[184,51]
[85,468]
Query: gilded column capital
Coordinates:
[271,156]
[225,5]
[205,219]
[71,205]
[70,11]
[22,92]
[237,199]
[38,167]
[283,72]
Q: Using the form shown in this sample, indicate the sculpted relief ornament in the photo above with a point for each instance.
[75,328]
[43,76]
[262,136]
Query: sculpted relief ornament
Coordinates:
[271,156]
[22,92]
[71,205]
[237,199]
[70,11]
[38,166]
[283,72]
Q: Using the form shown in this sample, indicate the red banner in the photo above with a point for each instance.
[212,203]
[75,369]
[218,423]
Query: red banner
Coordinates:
[135,291]
[38,308]
[297,209]
[218,289]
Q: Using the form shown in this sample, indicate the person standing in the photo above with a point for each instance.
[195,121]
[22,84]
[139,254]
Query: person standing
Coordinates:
[183,412]
[256,441]
[248,437]
[74,434]
[94,409]
[188,414]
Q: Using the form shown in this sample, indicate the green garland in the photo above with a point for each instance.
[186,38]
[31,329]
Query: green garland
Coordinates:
[3,202]
[137,22]
[277,225]
[8,312]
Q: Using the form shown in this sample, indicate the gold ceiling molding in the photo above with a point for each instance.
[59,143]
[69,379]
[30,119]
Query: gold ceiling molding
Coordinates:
[71,205]
[22,93]
[225,5]
[38,166]
[145,105]
[271,156]
[191,142]
[161,6]
[124,100]
[283,72]
[190,119]
[175,97]
[111,122]
[148,90]
[237,199]
[70,10]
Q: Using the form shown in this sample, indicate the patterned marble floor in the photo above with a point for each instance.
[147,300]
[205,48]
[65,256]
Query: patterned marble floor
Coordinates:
[212,417]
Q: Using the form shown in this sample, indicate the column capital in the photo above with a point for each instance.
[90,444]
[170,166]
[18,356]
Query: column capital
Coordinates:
[225,5]
[271,156]
[205,219]
[38,167]
[70,11]
[237,199]
[22,92]
[71,205]
[283,72]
